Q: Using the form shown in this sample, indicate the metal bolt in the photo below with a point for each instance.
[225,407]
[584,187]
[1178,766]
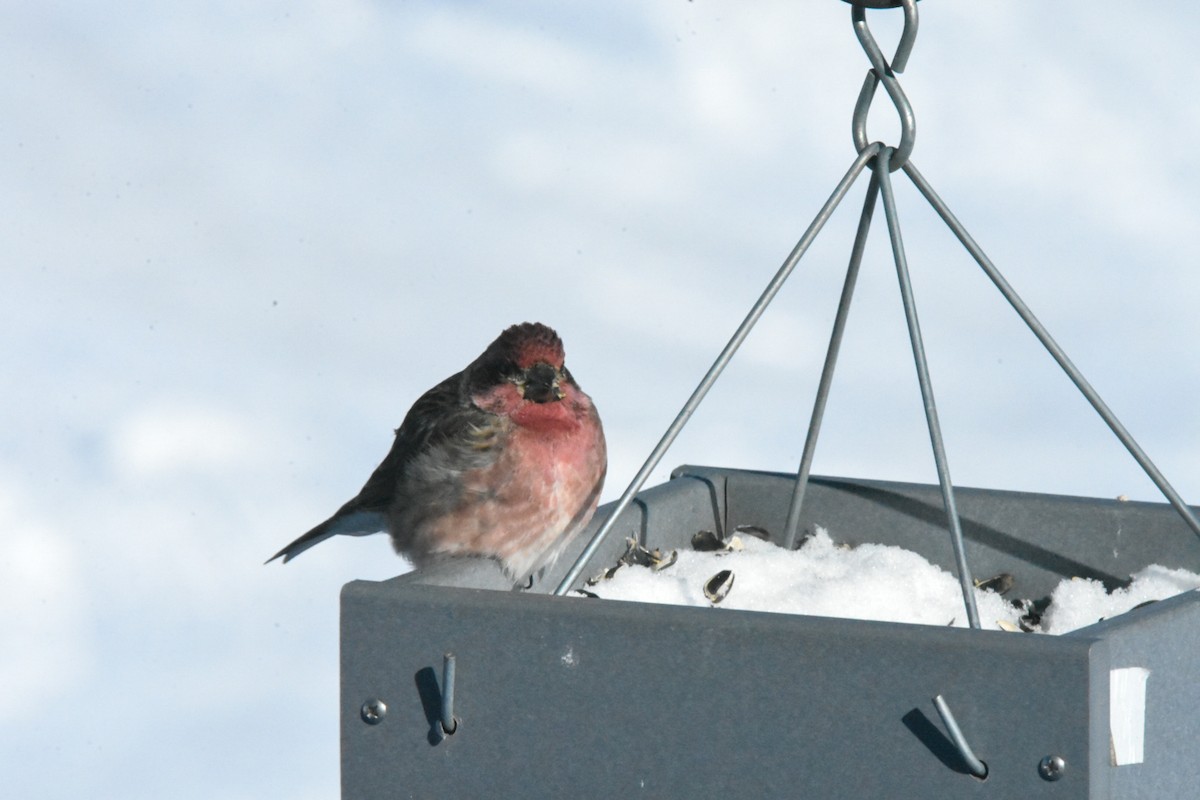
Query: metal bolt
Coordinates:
[373,711]
[1052,767]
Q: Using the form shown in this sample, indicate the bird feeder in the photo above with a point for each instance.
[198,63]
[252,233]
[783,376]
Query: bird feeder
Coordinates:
[454,684]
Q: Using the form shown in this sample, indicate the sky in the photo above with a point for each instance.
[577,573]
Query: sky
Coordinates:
[240,240]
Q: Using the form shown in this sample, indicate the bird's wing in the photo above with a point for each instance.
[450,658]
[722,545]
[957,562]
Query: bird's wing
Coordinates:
[432,419]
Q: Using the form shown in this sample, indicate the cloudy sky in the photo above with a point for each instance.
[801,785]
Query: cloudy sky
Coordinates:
[240,239]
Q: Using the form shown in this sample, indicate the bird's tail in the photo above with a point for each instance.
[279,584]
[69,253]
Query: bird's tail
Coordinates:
[352,523]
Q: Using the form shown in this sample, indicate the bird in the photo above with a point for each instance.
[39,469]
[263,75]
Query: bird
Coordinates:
[503,460]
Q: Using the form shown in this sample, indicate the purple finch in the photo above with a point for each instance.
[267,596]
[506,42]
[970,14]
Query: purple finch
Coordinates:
[504,460]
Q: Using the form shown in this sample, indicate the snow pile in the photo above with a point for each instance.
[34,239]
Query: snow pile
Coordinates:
[871,581]
[1078,602]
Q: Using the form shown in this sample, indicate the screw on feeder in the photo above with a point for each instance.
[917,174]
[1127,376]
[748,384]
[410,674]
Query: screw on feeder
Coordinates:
[373,711]
[1051,768]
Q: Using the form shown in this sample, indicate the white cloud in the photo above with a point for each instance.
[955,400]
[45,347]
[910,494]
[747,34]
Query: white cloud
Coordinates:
[162,439]
[45,647]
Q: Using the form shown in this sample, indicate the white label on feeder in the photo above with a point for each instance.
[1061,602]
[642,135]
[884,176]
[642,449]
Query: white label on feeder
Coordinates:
[1127,714]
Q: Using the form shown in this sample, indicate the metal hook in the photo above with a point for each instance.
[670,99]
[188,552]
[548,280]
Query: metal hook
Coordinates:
[907,37]
[881,71]
[974,765]
[448,722]
[908,120]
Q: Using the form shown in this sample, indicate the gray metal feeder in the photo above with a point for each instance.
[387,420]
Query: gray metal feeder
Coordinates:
[453,685]
[558,697]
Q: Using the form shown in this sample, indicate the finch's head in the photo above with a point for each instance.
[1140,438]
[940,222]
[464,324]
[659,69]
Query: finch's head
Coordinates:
[526,359]
[527,344]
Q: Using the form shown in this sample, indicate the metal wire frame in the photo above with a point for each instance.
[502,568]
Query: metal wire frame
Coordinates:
[882,161]
[881,185]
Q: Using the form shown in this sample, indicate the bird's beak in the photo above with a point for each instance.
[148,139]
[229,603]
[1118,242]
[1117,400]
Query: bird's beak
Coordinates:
[541,384]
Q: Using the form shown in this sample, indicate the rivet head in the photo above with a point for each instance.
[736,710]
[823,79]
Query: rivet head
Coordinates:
[1052,767]
[373,711]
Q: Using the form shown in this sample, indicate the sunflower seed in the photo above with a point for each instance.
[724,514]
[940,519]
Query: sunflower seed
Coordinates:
[717,587]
